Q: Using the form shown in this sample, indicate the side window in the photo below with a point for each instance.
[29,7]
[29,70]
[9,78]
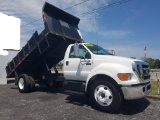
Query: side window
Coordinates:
[83,53]
[71,53]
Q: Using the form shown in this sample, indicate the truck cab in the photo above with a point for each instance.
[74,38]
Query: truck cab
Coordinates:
[105,75]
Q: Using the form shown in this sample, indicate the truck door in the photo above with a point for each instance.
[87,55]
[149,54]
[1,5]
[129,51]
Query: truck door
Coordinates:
[71,64]
[85,65]
[78,68]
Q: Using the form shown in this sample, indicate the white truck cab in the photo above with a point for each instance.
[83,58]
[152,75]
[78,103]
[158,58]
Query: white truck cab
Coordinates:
[107,78]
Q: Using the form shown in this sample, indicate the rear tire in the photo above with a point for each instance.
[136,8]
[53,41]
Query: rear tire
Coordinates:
[32,84]
[24,83]
[105,95]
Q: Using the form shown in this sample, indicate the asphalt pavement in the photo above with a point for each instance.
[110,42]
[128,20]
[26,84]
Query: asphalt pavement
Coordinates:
[61,104]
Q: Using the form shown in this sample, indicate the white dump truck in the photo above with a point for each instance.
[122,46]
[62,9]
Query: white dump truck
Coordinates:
[105,78]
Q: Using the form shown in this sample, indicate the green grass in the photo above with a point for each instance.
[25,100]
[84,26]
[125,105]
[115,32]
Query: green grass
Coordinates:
[154,91]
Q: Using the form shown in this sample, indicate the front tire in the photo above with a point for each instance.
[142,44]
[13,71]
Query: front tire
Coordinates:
[105,96]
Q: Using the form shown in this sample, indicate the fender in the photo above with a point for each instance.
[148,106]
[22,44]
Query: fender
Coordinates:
[111,70]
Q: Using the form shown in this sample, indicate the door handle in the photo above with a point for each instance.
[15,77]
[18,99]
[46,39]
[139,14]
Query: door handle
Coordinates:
[88,63]
[67,63]
[85,60]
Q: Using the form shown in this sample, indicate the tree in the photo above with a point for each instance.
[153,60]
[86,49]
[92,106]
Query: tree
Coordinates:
[153,63]
[157,63]
[60,65]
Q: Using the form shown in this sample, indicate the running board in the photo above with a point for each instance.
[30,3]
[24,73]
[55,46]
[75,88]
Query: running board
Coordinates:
[74,85]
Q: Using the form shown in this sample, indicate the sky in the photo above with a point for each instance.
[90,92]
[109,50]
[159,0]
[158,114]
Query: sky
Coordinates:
[127,28]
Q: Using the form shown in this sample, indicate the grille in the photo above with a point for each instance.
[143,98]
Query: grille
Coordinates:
[145,66]
[142,70]
[145,72]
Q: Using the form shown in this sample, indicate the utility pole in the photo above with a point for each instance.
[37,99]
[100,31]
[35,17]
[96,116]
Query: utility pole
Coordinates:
[145,52]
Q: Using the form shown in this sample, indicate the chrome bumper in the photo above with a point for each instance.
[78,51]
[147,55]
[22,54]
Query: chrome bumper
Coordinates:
[136,91]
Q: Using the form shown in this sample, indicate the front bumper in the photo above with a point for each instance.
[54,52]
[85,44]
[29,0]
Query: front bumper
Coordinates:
[136,91]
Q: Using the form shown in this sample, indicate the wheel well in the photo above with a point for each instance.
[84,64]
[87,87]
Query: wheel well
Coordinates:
[100,76]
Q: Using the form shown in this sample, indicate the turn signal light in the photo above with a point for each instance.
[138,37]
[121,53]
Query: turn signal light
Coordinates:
[124,76]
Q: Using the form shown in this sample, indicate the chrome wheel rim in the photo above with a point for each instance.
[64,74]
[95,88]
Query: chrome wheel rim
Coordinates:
[103,95]
[21,83]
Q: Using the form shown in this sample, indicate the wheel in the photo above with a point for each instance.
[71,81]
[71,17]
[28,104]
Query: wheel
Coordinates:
[105,96]
[32,83]
[24,83]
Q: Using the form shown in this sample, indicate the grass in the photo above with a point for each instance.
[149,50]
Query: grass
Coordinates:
[154,91]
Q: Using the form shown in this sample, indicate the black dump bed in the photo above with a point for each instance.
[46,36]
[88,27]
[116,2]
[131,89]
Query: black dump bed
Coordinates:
[48,47]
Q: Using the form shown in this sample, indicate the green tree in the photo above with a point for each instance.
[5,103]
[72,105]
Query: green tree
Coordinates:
[153,63]
[157,63]
[60,65]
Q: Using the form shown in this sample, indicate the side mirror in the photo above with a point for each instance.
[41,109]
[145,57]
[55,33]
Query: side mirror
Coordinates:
[76,50]
[82,57]
[113,52]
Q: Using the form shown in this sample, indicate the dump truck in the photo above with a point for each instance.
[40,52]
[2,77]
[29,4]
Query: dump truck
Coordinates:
[106,79]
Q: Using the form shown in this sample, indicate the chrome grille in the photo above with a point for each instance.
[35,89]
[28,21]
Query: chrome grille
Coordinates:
[142,69]
[145,66]
[145,72]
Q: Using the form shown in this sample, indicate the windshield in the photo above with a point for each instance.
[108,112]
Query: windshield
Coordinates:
[95,49]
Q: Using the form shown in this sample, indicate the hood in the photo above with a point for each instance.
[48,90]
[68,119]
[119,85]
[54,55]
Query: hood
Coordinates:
[116,59]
